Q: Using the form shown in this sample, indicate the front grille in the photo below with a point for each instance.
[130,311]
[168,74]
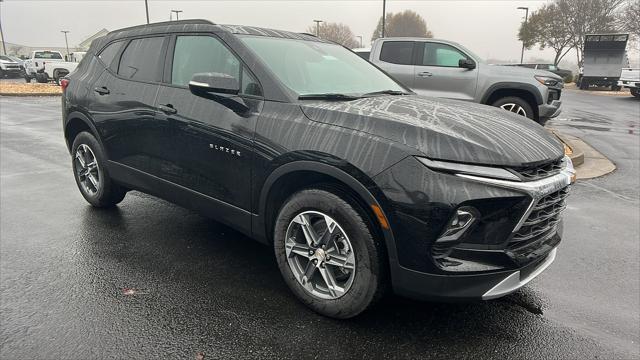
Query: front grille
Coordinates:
[540,172]
[540,225]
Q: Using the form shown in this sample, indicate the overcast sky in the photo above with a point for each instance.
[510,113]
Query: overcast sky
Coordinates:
[487,27]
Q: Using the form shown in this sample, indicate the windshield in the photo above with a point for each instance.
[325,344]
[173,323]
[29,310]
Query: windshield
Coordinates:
[47,55]
[312,67]
[5,58]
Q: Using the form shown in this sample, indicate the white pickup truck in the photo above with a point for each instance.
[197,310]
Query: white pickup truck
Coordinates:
[45,65]
[630,78]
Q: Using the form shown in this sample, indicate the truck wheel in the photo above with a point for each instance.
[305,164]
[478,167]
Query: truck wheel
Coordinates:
[616,88]
[42,78]
[515,105]
[327,253]
[27,78]
[635,92]
[584,84]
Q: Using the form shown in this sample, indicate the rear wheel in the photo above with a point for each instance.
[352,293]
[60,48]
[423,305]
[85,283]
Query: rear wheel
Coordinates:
[584,84]
[515,105]
[635,92]
[90,172]
[42,77]
[328,254]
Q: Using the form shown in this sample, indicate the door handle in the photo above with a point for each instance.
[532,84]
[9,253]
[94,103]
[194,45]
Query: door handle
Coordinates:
[168,109]
[102,90]
[425,74]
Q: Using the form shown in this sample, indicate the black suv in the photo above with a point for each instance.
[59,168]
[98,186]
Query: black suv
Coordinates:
[357,183]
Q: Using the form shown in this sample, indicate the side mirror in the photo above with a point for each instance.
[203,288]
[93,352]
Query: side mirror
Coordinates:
[221,88]
[467,64]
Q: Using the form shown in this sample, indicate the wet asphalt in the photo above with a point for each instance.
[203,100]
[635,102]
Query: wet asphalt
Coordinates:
[150,280]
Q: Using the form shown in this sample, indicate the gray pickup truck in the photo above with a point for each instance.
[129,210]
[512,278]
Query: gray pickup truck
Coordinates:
[446,69]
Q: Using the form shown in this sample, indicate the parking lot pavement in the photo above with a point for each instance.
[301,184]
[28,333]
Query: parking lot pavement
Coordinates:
[152,280]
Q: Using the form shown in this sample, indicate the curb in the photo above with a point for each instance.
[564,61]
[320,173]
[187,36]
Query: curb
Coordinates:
[592,164]
[571,148]
[29,94]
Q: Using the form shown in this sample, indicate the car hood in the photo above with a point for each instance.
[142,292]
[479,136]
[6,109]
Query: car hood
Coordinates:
[444,129]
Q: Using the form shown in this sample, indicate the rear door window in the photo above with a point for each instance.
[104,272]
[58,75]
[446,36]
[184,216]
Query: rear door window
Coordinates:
[142,59]
[397,52]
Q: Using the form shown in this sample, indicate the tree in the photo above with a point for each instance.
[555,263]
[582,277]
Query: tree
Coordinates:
[629,19]
[588,17]
[336,32]
[406,23]
[548,30]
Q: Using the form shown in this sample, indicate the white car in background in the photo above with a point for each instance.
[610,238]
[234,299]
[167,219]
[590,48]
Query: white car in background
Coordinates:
[9,67]
[46,65]
[630,78]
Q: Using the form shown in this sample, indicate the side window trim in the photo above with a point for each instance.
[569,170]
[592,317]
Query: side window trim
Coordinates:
[421,63]
[116,58]
[163,51]
[169,55]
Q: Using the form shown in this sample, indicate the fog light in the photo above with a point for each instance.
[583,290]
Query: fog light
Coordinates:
[460,222]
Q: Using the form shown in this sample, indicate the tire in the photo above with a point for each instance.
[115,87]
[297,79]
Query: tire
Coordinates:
[1,73]
[616,88]
[360,286]
[635,92]
[102,192]
[584,84]
[515,105]
[42,78]
[27,78]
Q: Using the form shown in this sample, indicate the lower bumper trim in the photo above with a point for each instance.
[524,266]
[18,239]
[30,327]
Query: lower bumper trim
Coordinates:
[514,282]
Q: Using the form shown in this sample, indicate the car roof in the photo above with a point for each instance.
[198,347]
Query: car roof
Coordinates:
[200,25]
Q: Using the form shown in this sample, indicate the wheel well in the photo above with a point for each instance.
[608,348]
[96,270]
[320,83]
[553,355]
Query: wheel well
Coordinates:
[57,72]
[74,127]
[293,182]
[523,94]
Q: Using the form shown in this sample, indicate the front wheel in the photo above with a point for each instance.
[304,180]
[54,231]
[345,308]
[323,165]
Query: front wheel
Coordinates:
[327,253]
[515,105]
[90,172]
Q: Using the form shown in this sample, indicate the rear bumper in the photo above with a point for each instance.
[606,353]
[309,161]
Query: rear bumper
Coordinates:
[547,111]
[485,286]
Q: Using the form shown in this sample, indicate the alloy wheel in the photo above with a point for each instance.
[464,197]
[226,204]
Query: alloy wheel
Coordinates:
[320,255]
[87,169]
[514,108]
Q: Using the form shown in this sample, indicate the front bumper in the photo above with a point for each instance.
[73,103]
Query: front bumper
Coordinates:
[487,286]
[548,111]
[628,84]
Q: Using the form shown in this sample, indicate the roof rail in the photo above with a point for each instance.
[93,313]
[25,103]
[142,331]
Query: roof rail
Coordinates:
[164,23]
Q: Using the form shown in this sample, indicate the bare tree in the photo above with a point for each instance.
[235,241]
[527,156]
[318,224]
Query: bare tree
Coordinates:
[336,32]
[588,17]
[406,23]
[548,30]
[629,21]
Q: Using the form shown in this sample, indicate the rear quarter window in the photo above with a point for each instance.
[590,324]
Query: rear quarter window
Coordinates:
[108,54]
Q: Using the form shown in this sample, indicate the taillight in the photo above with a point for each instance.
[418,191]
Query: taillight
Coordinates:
[64,83]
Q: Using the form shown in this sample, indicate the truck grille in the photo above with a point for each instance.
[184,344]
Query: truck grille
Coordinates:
[540,172]
[540,225]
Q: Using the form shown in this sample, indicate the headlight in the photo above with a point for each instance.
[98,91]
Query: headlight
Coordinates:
[547,80]
[485,171]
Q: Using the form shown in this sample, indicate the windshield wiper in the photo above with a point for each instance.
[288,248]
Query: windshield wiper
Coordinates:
[386,92]
[328,96]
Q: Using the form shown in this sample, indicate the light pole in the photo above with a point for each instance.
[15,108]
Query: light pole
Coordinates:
[360,37]
[384,11]
[175,11]
[66,42]
[318,27]
[526,17]
[4,47]
[146,7]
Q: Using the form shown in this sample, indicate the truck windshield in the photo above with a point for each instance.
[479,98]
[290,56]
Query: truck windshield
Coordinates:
[316,68]
[47,55]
